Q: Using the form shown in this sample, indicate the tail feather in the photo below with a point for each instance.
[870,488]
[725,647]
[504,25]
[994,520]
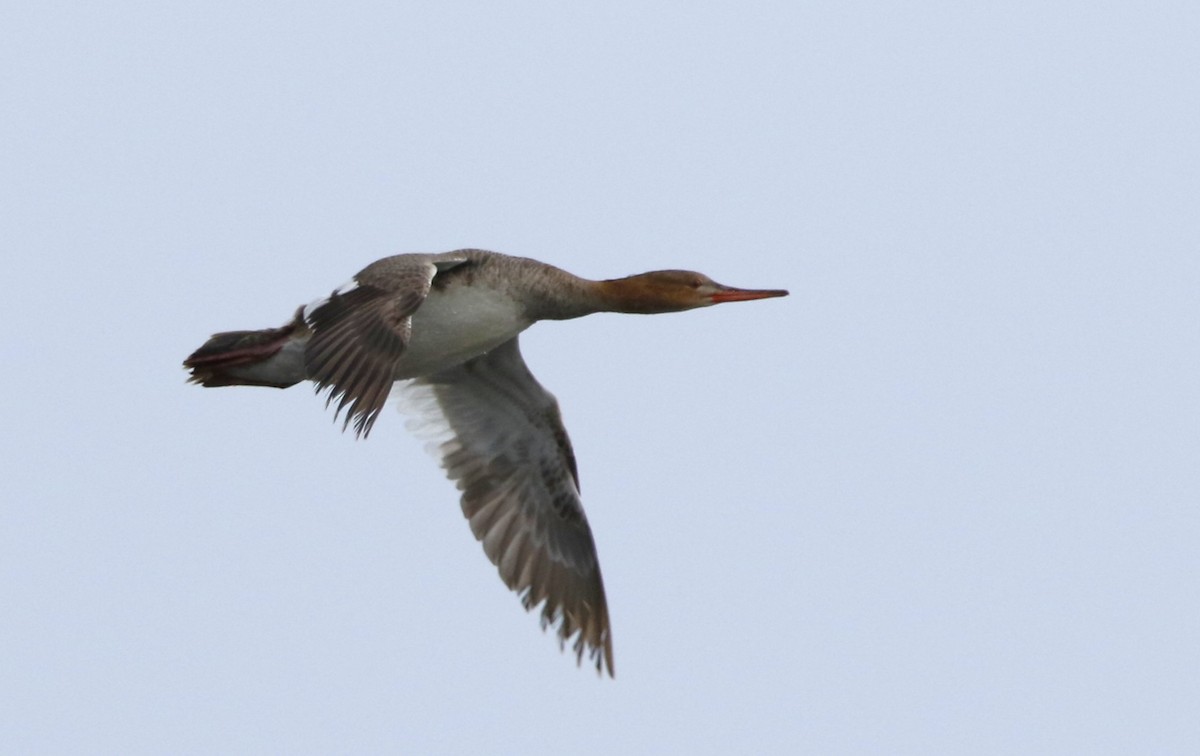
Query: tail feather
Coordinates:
[268,357]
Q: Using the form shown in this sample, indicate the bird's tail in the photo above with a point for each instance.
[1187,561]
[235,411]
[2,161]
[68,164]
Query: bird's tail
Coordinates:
[270,357]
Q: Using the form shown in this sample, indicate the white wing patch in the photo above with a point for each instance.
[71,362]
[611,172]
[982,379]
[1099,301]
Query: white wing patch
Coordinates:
[345,288]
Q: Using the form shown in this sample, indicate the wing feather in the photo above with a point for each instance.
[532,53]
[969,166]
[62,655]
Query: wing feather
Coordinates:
[501,439]
[359,335]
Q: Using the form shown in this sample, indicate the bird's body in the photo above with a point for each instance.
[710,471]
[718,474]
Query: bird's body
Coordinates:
[444,328]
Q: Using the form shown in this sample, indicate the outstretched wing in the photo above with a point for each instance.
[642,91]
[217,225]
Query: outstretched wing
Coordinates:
[503,442]
[361,330]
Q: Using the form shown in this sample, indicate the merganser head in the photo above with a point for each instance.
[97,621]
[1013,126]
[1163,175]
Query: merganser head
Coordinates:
[676,290]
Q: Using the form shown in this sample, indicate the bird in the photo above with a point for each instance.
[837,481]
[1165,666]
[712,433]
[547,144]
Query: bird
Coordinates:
[441,331]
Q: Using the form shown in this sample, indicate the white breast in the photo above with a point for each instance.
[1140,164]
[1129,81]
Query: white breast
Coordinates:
[457,323]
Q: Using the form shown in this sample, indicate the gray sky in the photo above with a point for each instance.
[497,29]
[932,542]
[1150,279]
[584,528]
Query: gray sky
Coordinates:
[944,498]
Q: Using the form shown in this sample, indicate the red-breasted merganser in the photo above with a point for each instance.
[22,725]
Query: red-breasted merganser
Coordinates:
[443,329]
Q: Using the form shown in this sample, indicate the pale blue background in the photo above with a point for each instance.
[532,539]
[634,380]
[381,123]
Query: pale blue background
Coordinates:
[944,498]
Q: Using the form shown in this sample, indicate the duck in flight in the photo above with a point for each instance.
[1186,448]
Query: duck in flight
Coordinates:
[442,329]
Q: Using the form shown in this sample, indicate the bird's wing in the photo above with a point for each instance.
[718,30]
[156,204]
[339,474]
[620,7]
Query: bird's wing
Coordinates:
[361,330]
[503,442]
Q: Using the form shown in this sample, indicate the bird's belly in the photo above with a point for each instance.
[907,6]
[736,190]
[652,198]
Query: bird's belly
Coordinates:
[454,325]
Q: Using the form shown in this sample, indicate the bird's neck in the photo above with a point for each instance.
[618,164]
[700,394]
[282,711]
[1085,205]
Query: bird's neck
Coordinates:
[549,293]
[573,297]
